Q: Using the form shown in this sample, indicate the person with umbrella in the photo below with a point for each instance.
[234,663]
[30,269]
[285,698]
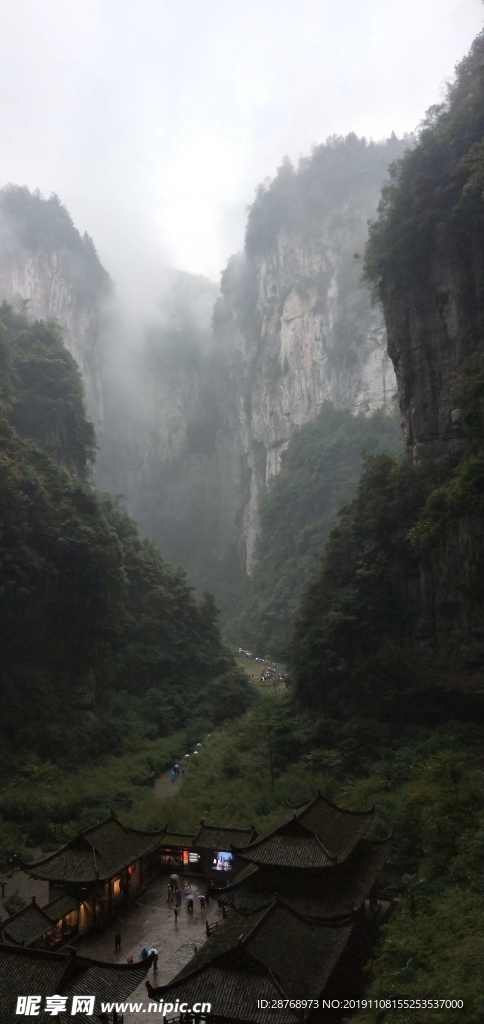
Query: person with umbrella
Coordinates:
[174,879]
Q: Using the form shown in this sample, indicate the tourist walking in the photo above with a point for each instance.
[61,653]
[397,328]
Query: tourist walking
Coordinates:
[190,903]
[117,942]
[178,895]
[154,954]
[203,902]
[144,954]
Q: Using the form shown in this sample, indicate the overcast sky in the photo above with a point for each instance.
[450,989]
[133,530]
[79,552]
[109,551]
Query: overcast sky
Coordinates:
[154,120]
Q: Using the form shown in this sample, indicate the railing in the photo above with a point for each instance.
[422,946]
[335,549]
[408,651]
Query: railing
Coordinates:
[211,928]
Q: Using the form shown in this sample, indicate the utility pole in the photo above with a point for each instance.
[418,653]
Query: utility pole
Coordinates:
[269,728]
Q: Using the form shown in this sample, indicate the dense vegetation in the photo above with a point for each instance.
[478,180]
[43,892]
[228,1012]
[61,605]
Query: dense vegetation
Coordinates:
[28,221]
[435,196]
[93,624]
[338,171]
[319,473]
[44,391]
[365,653]
[426,786]
[357,641]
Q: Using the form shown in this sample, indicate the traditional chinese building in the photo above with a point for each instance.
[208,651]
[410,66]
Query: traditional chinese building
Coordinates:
[44,928]
[177,852]
[62,981]
[317,859]
[99,868]
[274,954]
[303,914]
[215,846]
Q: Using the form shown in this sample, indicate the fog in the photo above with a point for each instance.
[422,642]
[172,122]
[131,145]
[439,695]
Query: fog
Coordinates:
[154,120]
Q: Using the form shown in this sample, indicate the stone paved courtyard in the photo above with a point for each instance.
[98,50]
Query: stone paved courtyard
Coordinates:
[152,923]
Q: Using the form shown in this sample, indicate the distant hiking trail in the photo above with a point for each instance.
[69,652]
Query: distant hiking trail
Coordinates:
[164,787]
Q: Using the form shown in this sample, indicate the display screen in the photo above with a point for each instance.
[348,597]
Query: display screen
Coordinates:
[223,861]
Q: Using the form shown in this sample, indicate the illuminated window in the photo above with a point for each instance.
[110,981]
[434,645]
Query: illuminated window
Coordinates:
[223,861]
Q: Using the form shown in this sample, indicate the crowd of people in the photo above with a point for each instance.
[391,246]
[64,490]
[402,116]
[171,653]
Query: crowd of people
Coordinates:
[174,894]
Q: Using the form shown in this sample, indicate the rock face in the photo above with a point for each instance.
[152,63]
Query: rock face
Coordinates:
[45,262]
[192,428]
[426,255]
[311,337]
[294,327]
[194,457]
[431,333]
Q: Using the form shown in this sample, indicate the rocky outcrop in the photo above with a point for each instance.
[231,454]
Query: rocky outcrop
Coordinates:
[293,328]
[58,275]
[432,330]
[311,336]
[192,425]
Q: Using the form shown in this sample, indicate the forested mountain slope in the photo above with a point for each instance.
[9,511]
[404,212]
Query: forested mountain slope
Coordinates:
[94,625]
[389,640]
[47,263]
[397,609]
[319,474]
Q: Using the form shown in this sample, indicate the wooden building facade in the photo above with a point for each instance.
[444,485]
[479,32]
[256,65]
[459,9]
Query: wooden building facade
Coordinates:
[96,871]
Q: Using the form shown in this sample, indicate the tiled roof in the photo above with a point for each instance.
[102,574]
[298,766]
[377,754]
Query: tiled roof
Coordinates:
[301,955]
[325,895]
[233,993]
[288,843]
[107,982]
[219,837]
[34,971]
[62,905]
[288,851]
[100,852]
[27,925]
[274,946]
[24,971]
[182,840]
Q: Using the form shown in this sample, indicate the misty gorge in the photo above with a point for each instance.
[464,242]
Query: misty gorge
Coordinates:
[244,517]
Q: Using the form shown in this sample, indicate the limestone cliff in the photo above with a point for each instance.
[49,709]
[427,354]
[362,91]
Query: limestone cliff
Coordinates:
[293,327]
[313,337]
[45,262]
[195,417]
[426,256]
